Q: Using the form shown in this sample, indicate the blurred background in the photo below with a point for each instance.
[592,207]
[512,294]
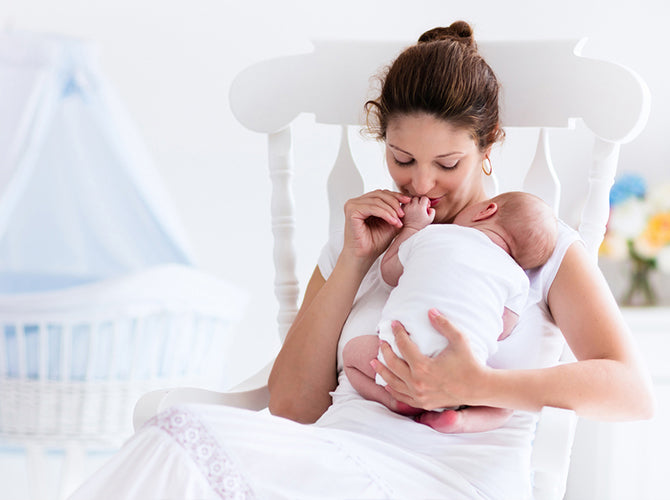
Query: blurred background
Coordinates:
[171,63]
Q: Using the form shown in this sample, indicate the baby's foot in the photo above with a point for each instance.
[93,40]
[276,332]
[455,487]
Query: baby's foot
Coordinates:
[447,421]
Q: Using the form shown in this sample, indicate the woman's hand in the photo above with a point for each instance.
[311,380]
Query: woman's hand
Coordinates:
[371,222]
[448,379]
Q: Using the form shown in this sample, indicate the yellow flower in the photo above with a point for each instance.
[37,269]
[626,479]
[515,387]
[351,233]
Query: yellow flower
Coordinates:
[639,224]
[654,237]
[657,232]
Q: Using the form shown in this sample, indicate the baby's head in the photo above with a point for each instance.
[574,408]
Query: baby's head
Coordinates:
[524,223]
[530,225]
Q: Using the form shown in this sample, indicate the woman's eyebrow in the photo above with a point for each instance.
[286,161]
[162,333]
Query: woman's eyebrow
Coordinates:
[398,149]
[438,156]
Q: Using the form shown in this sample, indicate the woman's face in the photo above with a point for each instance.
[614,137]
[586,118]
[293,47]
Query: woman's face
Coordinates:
[429,157]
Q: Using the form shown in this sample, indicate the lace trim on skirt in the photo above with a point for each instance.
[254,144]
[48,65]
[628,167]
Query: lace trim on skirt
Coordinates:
[201,446]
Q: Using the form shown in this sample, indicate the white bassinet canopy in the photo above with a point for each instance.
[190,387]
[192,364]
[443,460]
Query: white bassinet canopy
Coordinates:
[80,200]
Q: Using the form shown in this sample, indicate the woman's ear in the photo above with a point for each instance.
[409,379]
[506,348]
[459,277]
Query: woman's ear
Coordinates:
[486,213]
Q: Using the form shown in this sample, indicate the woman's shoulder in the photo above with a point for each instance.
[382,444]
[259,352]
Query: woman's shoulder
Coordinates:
[566,237]
[542,277]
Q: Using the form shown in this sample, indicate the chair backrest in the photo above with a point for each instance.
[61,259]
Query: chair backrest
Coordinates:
[546,85]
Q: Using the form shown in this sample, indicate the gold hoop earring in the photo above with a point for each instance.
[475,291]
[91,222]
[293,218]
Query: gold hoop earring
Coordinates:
[487,162]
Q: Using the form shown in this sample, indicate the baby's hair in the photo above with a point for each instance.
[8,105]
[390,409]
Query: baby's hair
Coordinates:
[442,75]
[531,225]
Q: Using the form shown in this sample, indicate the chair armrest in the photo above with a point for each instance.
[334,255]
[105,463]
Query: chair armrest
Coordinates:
[252,394]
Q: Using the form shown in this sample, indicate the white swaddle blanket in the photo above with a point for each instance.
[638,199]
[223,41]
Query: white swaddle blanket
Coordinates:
[463,274]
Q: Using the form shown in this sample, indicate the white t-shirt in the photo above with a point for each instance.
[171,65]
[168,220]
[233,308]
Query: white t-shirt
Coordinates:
[463,274]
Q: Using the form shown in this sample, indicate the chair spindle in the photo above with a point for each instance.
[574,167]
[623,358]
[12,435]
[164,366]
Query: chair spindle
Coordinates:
[283,227]
[541,179]
[596,207]
[344,181]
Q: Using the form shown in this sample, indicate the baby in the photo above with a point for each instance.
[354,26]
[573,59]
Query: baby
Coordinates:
[473,272]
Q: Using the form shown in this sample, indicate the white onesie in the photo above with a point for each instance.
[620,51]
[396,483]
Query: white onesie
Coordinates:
[463,274]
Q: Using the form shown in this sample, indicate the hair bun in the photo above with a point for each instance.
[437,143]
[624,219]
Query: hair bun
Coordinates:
[459,31]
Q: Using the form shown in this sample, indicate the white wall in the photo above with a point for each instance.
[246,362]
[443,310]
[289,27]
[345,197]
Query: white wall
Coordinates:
[172,62]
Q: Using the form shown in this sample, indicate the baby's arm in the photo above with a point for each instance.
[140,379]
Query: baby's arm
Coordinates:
[418,214]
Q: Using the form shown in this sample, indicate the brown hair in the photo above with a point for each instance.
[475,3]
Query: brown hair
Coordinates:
[531,226]
[442,75]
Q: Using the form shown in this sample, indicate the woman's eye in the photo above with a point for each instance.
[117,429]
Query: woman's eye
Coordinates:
[403,163]
[450,166]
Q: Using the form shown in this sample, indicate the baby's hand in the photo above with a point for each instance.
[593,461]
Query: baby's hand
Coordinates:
[418,213]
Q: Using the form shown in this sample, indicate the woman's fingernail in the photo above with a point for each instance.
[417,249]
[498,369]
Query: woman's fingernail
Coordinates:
[433,312]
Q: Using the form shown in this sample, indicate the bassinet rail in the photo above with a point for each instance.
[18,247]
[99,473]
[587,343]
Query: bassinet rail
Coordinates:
[73,362]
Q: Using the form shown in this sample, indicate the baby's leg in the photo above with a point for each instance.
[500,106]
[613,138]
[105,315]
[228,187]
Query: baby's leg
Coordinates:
[468,419]
[357,355]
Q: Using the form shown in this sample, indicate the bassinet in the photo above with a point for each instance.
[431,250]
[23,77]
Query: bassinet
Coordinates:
[73,362]
[99,298]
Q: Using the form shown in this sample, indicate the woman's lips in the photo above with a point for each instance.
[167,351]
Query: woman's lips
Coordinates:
[431,201]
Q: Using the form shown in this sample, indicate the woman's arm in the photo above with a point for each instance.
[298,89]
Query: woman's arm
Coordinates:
[305,370]
[608,382]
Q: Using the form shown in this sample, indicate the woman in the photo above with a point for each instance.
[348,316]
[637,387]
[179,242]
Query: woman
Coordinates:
[438,116]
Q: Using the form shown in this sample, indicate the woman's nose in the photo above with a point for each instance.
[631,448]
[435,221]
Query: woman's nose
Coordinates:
[423,181]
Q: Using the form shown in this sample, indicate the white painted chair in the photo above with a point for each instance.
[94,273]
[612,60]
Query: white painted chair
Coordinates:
[546,85]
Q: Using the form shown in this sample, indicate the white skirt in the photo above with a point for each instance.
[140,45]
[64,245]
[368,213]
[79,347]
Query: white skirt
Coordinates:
[213,452]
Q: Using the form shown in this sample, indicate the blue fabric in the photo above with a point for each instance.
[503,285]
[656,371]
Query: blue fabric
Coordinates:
[80,199]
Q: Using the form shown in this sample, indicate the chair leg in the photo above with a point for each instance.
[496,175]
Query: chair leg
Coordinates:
[73,469]
[36,471]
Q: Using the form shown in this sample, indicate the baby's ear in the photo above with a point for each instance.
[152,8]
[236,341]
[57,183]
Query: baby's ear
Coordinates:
[486,213]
